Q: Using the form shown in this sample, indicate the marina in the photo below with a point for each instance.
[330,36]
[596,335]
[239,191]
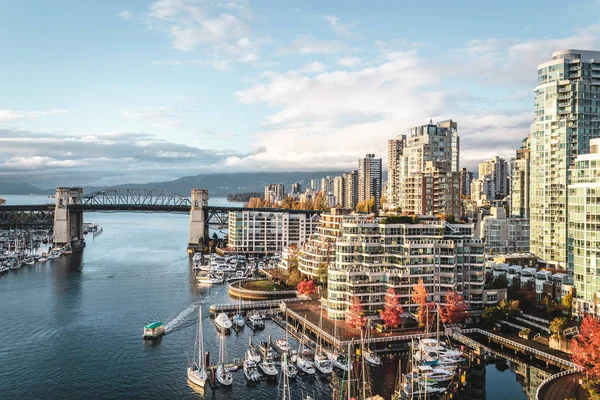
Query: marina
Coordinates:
[83,290]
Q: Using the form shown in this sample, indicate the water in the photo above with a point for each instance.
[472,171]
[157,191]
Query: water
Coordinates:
[71,328]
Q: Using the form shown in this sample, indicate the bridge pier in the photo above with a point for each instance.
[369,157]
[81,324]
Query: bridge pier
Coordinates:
[198,223]
[68,223]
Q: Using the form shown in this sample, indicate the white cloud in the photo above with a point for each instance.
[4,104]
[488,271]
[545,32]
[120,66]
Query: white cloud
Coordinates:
[168,124]
[307,44]
[336,26]
[7,116]
[125,14]
[39,162]
[148,112]
[349,61]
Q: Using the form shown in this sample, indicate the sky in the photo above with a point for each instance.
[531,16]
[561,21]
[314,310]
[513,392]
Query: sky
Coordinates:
[102,92]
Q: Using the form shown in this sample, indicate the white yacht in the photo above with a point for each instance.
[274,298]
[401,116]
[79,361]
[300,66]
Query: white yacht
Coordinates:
[53,255]
[196,371]
[255,322]
[339,361]
[281,345]
[322,364]
[223,323]
[305,366]
[372,358]
[267,366]
[211,279]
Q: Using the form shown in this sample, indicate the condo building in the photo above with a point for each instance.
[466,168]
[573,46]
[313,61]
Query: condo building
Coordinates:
[274,192]
[520,176]
[369,178]
[259,232]
[584,230]
[567,116]
[497,171]
[504,234]
[395,166]
[350,190]
[375,254]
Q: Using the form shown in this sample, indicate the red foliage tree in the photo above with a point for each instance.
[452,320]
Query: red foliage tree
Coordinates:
[354,319]
[453,312]
[392,310]
[585,348]
[306,287]
[419,293]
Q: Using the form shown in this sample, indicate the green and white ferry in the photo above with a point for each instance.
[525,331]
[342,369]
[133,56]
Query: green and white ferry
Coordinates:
[154,330]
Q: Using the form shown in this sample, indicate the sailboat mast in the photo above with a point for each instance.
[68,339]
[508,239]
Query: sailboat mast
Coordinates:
[200,340]
[364,377]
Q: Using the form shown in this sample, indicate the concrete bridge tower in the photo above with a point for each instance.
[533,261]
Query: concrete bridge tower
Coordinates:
[68,224]
[198,225]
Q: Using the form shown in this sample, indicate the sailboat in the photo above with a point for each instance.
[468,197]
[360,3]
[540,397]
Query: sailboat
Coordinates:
[222,373]
[196,371]
[322,363]
[238,321]
[302,362]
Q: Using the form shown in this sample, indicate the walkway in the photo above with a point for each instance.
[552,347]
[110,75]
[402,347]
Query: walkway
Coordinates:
[566,387]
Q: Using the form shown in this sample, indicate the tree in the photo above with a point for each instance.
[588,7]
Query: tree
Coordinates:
[254,202]
[425,311]
[366,206]
[392,310]
[306,287]
[322,273]
[294,278]
[354,317]
[567,302]
[557,326]
[453,312]
[585,348]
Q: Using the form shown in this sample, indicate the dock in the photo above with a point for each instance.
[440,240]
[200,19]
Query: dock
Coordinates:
[251,305]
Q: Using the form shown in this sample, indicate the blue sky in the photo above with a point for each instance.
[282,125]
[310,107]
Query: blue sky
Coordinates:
[105,92]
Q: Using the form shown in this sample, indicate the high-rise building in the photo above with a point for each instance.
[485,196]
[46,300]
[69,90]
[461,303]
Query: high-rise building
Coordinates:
[435,190]
[274,192]
[519,196]
[466,177]
[296,189]
[327,185]
[394,181]
[496,169]
[432,142]
[338,190]
[350,190]
[584,225]
[482,191]
[567,116]
[504,234]
[314,185]
[369,178]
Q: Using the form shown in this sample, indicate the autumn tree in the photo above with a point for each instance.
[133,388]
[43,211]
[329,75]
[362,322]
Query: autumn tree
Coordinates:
[567,302]
[424,309]
[294,278]
[366,206]
[306,287]
[454,310]
[557,326]
[392,310]
[585,348]
[254,202]
[322,272]
[354,317]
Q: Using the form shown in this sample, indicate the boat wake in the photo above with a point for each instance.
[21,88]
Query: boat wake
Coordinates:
[180,321]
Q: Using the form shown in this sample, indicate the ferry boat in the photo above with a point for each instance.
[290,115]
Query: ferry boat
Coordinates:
[223,323]
[154,330]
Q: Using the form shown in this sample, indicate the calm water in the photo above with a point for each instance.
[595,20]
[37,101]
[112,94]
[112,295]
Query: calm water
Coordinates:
[72,328]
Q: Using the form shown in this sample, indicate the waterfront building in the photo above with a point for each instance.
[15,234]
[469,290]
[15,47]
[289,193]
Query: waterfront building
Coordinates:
[350,190]
[567,114]
[496,170]
[466,177]
[338,191]
[369,178]
[259,232]
[584,228]
[433,191]
[274,193]
[394,181]
[320,247]
[504,234]
[375,254]
[519,196]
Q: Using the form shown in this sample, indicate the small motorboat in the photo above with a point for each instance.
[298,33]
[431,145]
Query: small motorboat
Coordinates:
[211,278]
[288,367]
[281,345]
[250,370]
[322,364]
[305,366]
[339,361]
[30,261]
[223,323]
[255,322]
[267,366]
[372,359]
[154,330]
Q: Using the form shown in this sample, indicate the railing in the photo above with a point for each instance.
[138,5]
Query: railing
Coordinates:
[251,305]
[239,289]
[502,340]
[524,320]
[551,378]
[538,319]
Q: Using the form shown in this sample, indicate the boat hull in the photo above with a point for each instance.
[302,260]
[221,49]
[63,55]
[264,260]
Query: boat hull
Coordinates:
[198,378]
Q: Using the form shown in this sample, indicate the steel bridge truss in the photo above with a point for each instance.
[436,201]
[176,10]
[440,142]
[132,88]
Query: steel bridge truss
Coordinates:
[18,218]
[135,198]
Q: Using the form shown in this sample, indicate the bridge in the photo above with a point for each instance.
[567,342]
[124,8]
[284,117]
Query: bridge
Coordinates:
[65,216]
